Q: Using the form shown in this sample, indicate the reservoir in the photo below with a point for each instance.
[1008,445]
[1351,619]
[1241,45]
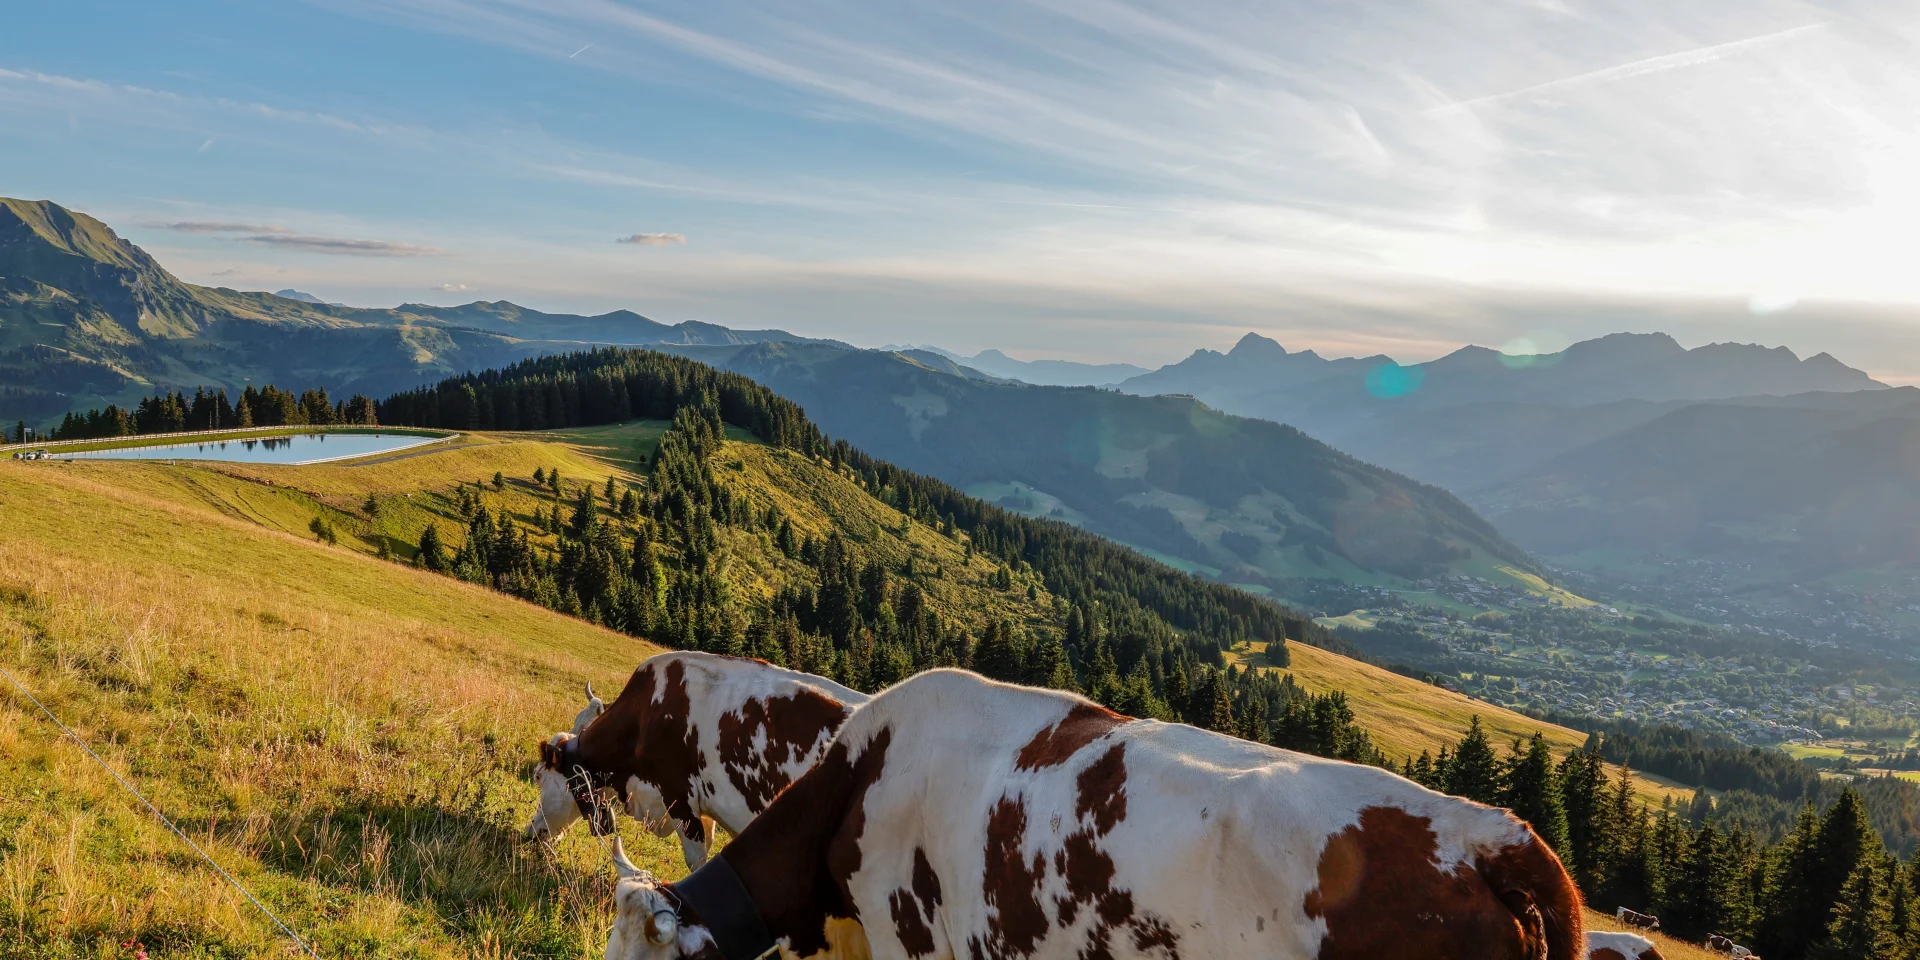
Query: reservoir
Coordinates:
[296,449]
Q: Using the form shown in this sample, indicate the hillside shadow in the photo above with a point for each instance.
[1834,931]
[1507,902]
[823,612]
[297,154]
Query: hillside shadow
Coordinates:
[463,866]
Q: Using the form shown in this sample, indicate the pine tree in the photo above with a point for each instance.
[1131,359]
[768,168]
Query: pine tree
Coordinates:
[1861,924]
[1797,902]
[1475,772]
[1532,791]
[499,480]
[431,555]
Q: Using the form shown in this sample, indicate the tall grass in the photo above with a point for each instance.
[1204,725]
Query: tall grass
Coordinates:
[350,738]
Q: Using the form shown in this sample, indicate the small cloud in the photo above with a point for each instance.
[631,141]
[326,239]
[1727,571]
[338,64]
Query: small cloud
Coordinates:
[655,239]
[205,146]
[205,226]
[228,272]
[451,288]
[343,247]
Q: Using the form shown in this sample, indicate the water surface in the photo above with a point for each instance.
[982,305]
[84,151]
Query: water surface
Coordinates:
[296,449]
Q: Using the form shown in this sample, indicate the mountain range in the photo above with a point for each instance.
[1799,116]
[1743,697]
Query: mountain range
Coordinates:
[1242,499]
[1044,372]
[87,318]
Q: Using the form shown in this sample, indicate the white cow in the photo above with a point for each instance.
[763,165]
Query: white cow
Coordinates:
[694,738]
[958,817]
[1605,945]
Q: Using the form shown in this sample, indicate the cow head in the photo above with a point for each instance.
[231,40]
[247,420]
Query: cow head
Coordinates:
[647,922]
[567,793]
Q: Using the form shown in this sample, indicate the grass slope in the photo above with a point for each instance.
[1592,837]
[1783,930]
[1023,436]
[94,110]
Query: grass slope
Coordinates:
[350,737]
[1405,716]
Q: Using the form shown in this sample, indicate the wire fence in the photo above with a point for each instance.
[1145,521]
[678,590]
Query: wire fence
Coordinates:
[130,788]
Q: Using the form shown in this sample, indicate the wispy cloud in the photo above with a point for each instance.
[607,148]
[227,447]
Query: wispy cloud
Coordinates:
[451,288]
[219,226]
[655,239]
[1638,68]
[279,237]
[338,246]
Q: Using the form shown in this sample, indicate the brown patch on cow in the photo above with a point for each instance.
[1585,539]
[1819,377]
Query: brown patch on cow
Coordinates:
[1607,953]
[791,724]
[1011,886]
[1103,790]
[1082,725]
[1152,933]
[1650,954]
[796,858]
[1381,893]
[913,910]
[647,733]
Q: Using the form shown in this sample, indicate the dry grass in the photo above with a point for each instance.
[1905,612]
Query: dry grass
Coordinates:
[1669,948]
[350,737]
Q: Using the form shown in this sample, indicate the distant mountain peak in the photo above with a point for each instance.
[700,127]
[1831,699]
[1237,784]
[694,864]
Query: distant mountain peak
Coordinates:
[301,295]
[1255,346]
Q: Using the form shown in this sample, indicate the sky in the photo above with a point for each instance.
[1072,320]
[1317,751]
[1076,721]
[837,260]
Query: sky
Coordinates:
[1086,179]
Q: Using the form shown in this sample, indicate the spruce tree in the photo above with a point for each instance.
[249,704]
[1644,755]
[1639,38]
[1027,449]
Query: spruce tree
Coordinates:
[1796,904]
[1532,792]
[432,554]
[1861,924]
[1475,771]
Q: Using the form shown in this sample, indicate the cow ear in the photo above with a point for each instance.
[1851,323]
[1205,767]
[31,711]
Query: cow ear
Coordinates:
[549,754]
[623,868]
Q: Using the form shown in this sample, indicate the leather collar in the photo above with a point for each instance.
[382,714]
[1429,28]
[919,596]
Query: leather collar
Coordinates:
[723,905]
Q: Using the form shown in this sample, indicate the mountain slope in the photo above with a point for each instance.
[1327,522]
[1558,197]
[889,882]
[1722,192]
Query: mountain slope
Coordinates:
[87,318]
[348,737]
[1815,486]
[1249,500]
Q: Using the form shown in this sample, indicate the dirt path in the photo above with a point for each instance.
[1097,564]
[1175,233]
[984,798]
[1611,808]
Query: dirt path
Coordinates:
[417,453]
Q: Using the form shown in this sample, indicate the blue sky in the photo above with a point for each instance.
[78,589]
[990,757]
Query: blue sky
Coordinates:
[1081,178]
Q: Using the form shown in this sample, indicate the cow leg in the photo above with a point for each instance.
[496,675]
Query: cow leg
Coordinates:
[696,841]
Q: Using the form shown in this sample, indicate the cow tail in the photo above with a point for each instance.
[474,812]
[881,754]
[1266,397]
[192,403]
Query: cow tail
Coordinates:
[1529,879]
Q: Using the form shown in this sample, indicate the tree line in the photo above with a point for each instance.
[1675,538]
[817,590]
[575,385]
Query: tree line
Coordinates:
[1827,889]
[175,412]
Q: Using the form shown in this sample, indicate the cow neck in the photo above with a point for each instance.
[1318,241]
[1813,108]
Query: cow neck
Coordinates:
[716,897]
[794,860]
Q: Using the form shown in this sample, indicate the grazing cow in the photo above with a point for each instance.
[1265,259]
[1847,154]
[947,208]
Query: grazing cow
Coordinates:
[1720,944]
[1642,920]
[1620,946]
[958,817]
[694,738]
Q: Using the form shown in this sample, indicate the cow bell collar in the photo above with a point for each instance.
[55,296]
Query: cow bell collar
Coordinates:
[725,908]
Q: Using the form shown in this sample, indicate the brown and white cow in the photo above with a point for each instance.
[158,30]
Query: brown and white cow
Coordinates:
[693,739]
[1644,921]
[958,817]
[1604,945]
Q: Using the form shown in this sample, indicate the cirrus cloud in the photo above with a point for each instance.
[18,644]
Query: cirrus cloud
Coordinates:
[338,246]
[655,239]
[272,235]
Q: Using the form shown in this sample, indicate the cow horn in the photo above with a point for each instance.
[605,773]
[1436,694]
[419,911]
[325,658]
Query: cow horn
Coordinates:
[622,867]
[590,697]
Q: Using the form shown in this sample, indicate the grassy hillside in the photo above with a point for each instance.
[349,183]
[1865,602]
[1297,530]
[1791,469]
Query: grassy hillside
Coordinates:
[350,737]
[1405,716]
